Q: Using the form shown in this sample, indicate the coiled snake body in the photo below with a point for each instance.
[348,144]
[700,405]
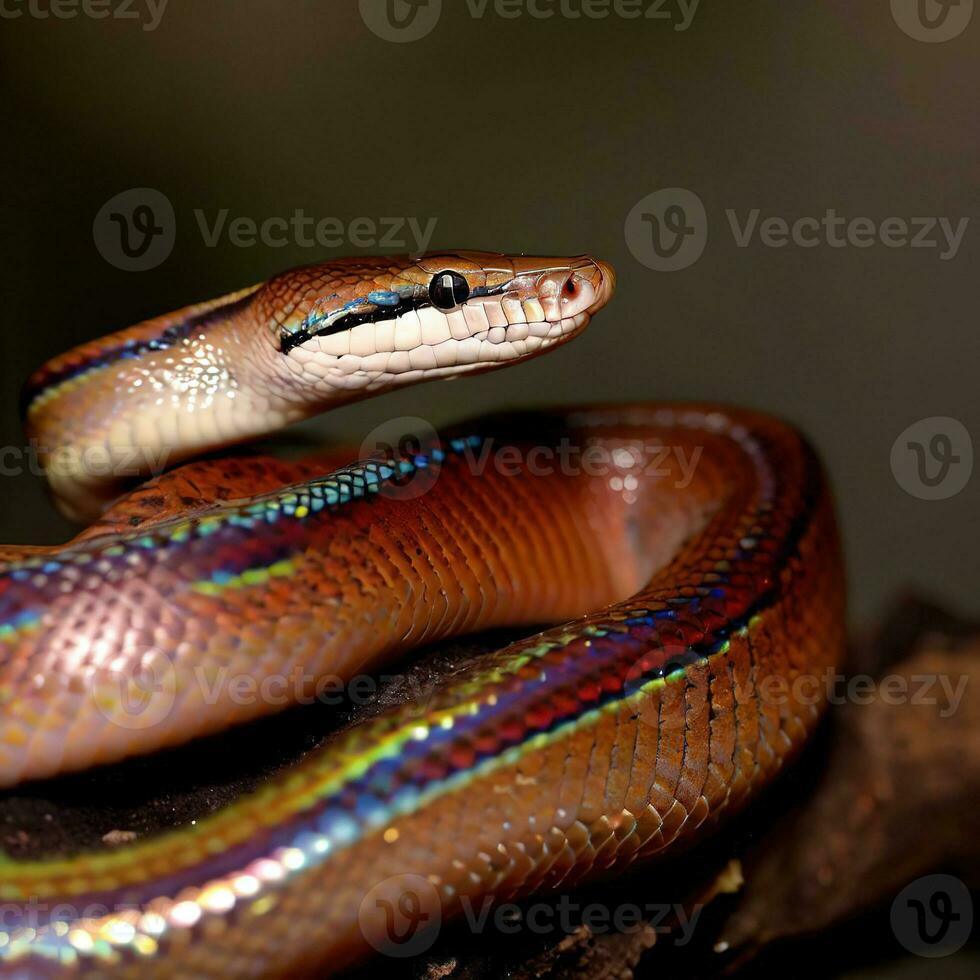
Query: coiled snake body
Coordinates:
[690,548]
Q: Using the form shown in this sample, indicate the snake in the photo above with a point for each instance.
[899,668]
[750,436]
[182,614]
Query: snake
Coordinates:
[689,552]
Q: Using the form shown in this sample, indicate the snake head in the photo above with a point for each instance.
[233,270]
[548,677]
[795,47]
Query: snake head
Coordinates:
[363,324]
[241,366]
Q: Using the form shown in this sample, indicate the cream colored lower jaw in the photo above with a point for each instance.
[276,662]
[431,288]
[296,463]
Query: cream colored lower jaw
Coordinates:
[509,320]
[327,364]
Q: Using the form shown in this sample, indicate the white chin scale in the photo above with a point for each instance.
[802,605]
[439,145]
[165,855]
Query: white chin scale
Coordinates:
[429,343]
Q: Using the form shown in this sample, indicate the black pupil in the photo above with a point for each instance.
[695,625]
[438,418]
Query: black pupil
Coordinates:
[448,289]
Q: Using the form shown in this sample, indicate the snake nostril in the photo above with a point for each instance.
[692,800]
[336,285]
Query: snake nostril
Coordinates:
[570,289]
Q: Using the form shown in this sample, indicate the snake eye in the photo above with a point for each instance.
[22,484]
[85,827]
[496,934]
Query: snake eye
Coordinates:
[448,289]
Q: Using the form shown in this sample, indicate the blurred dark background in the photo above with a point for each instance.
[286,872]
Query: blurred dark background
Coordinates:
[538,135]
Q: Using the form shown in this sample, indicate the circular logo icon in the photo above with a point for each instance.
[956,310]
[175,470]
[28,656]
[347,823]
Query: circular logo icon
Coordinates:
[138,699]
[400,21]
[932,21]
[404,446]
[667,230]
[135,230]
[933,916]
[401,916]
[933,458]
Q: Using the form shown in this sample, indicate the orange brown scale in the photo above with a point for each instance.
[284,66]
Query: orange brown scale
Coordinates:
[699,598]
[699,740]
